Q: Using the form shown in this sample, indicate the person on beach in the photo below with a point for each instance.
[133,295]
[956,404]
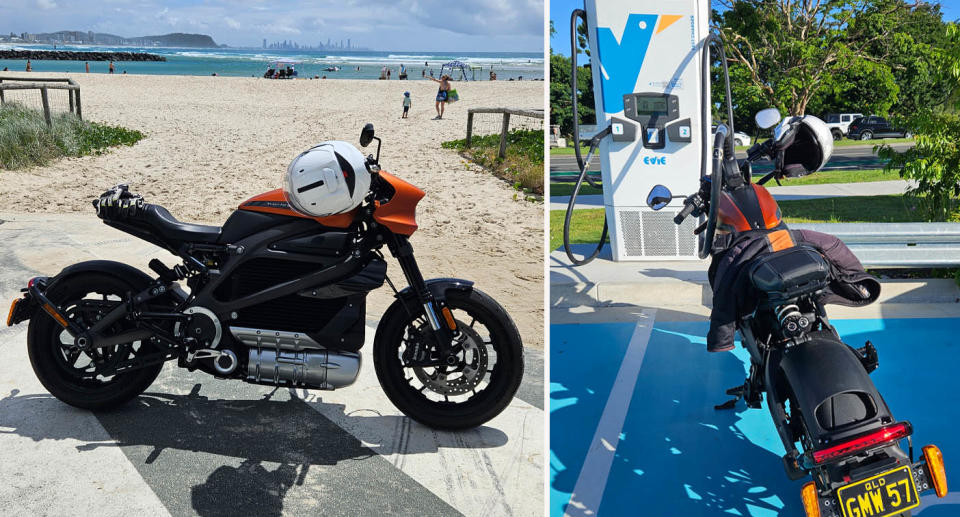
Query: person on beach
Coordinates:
[388,74]
[86,64]
[442,93]
[29,66]
[423,73]
[111,67]
[406,104]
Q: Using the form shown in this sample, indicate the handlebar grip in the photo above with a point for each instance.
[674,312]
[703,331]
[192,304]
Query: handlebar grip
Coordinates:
[687,209]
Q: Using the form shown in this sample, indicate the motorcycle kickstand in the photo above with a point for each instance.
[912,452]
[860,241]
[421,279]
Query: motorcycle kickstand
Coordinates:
[737,392]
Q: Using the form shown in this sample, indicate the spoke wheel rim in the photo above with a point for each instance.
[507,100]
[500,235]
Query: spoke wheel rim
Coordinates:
[81,366]
[479,355]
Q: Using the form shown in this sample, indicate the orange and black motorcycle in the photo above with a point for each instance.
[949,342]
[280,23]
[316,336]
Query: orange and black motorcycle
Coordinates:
[830,417]
[273,297]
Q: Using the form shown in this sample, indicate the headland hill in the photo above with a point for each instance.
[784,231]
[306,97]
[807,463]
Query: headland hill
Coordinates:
[179,40]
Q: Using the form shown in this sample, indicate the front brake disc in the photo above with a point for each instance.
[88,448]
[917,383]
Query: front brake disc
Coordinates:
[465,375]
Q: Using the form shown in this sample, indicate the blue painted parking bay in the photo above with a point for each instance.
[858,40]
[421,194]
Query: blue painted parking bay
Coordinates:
[674,455]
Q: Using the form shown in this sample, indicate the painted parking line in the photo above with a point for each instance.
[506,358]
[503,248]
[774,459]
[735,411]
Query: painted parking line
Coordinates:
[585,360]
[588,491]
[678,456]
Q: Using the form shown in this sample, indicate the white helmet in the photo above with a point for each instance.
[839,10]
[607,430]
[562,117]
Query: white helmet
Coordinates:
[811,146]
[330,178]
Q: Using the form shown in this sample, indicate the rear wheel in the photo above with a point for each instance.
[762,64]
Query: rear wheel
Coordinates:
[487,373]
[866,135]
[75,376]
[837,135]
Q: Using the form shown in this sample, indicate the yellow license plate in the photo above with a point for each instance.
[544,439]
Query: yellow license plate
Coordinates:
[889,493]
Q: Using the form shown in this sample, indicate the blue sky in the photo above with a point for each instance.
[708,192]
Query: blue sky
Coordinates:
[429,25]
[560,14]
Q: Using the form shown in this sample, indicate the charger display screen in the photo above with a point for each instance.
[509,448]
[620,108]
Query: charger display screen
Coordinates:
[652,106]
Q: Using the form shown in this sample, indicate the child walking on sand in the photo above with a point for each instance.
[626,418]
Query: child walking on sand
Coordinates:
[406,104]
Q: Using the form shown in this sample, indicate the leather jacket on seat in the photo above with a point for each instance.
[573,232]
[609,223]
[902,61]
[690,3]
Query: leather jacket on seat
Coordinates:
[734,296]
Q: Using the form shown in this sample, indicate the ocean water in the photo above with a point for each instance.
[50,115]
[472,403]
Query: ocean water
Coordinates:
[254,62]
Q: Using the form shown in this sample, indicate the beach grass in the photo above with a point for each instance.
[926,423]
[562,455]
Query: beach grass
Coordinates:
[523,164]
[26,140]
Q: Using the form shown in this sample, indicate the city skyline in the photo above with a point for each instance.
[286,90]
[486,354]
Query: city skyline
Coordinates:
[429,25]
[96,38]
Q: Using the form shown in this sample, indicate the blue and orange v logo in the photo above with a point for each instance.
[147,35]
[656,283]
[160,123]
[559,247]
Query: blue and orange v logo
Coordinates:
[622,61]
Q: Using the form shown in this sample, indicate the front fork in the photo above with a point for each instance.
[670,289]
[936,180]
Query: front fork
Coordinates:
[443,327]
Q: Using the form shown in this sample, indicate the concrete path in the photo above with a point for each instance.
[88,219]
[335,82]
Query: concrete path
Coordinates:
[784,193]
[195,445]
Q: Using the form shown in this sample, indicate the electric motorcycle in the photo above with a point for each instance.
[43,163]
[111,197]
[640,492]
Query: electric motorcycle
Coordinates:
[273,297]
[833,422]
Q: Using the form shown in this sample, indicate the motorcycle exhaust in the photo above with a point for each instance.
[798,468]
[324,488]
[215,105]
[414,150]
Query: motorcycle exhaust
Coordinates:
[284,358]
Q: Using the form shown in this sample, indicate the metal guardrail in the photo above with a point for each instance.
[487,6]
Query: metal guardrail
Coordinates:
[895,245]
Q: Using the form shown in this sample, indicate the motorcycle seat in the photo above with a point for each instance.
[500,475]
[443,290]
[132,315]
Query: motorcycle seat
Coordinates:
[789,273]
[170,229]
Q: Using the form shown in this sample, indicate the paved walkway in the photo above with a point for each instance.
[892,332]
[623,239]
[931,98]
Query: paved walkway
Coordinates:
[195,445]
[785,193]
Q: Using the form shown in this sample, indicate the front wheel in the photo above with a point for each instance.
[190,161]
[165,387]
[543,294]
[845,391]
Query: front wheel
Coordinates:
[477,388]
[866,135]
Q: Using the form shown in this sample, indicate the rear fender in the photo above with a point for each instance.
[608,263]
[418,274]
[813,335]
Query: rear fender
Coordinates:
[29,305]
[138,279]
[833,391]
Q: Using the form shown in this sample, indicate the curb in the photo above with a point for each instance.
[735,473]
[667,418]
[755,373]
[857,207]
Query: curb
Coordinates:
[668,292]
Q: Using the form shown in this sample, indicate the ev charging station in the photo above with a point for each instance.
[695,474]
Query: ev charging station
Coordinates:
[649,88]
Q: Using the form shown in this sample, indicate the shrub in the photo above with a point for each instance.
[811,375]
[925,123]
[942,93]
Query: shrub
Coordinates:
[26,139]
[523,164]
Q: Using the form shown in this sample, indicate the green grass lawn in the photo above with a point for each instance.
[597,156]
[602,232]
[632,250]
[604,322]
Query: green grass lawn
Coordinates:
[565,189]
[568,151]
[845,176]
[587,224]
[819,178]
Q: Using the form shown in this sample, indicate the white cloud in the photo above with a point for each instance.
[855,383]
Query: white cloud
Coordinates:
[46,4]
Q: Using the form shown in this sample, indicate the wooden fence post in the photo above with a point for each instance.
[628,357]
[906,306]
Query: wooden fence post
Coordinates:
[46,106]
[469,126]
[79,111]
[70,96]
[503,135]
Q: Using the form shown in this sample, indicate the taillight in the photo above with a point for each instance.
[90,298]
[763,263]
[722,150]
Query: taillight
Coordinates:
[32,281]
[883,435]
[934,458]
[811,504]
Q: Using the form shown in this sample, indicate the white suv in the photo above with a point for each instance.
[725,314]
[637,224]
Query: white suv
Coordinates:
[839,123]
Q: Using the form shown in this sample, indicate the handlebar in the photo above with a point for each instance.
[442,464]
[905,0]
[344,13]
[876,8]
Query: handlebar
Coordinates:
[688,207]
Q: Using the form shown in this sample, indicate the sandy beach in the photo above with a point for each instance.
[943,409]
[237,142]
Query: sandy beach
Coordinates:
[214,141]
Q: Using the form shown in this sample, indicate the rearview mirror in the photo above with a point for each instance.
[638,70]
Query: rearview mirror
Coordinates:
[767,118]
[659,197]
[366,135]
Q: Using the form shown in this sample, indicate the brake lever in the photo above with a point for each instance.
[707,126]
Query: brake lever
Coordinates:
[699,229]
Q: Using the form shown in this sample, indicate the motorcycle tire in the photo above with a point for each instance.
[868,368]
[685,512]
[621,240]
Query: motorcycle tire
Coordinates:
[51,361]
[501,346]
